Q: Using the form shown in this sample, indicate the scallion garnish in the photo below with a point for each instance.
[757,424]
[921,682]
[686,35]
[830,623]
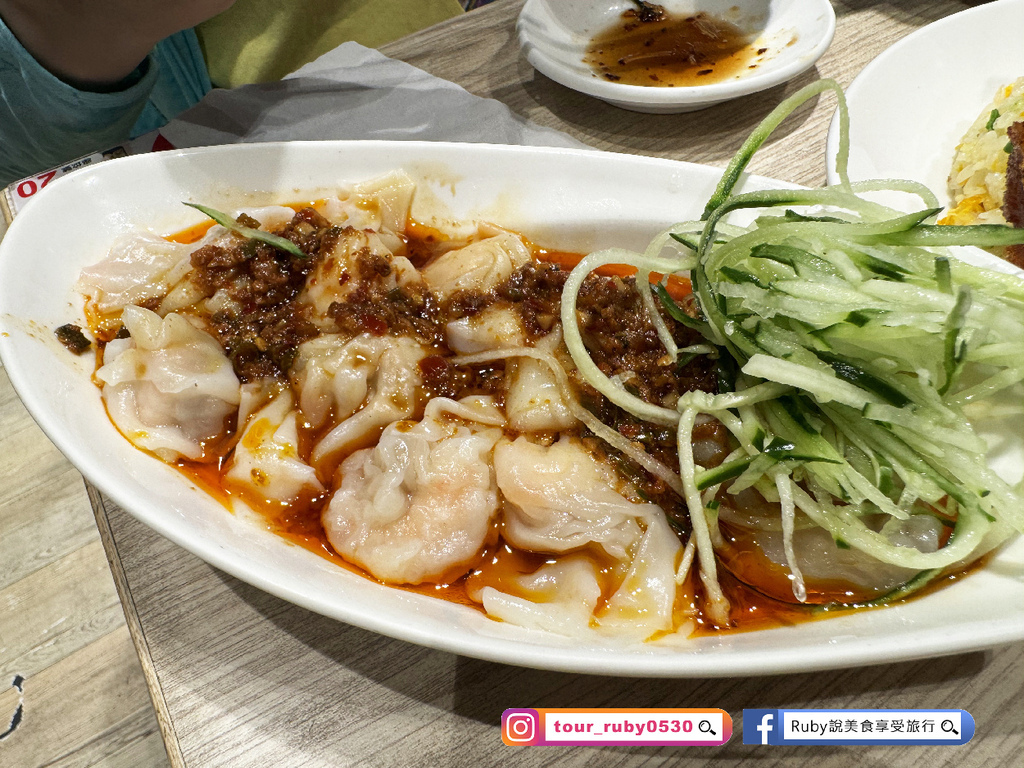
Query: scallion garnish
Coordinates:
[227,222]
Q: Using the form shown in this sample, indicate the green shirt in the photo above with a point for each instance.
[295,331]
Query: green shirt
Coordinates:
[258,41]
[45,122]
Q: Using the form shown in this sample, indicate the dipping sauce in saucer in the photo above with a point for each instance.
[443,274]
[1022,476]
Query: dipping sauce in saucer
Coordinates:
[656,48]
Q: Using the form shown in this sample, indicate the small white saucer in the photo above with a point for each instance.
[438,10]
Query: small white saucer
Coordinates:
[555,34]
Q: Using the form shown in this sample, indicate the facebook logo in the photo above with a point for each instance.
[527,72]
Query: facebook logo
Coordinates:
[759,726]
[857,726]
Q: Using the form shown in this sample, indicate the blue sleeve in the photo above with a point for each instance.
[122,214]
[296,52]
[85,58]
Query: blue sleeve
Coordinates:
[45,122]
[182,80]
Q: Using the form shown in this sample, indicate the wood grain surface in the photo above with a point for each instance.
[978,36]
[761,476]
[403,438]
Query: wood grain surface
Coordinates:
[480,52]
[241,678]
[251,680]
[72,692]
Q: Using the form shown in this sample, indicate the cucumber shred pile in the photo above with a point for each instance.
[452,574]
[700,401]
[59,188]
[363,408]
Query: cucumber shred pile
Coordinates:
[861,346]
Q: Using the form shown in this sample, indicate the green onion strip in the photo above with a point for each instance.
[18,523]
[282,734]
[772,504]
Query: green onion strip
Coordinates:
[717,605]
[259,235]
[787,507]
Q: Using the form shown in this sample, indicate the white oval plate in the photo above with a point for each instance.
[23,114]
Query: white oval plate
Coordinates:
[570,199]
[555,35]
[912,104]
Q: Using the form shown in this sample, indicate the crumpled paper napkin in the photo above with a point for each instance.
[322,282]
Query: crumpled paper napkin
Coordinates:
[354,92]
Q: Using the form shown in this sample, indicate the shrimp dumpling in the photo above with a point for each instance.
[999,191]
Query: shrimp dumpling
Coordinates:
[139,267]
[644,602]
[381,204]
[559,498]
[387,378]
[533,399]
[333,376]
[188,292]
[558,597]
[419,505]
[266,460]
[390,198]
[480,266]
[169,387]
[492,328]
[357,255]
[564,596]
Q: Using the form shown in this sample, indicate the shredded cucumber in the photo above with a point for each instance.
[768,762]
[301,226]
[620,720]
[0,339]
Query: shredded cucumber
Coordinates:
[851,343]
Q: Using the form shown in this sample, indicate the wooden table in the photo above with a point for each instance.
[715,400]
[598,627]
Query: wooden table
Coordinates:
[241,678]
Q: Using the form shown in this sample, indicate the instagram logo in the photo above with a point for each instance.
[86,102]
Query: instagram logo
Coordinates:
[519,727]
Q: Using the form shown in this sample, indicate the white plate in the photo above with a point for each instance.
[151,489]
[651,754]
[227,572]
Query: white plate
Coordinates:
[910,107]
[555,35]
[561,198]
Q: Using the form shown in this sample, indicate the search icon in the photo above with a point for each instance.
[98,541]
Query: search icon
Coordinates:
[705,727]
[948,727]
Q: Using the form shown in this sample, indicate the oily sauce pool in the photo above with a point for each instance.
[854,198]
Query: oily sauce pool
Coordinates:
[498,565]
[662,49]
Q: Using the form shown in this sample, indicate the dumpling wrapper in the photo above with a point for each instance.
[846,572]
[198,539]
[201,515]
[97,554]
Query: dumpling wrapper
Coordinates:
[419,505]
[168,387]
[480,266]
[266,460]
[559,498]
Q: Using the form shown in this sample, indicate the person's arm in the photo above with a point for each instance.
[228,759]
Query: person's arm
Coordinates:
[95,45]
[75,75]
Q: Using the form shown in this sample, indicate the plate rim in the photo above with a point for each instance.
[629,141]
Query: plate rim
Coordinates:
[646,663]
[692,96]
[882,59]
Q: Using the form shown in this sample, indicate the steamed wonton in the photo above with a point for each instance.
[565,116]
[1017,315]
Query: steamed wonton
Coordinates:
[169,387]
